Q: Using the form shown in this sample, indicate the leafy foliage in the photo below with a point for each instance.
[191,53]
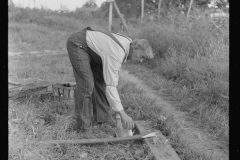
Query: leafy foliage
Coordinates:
[90,4]
[130,8]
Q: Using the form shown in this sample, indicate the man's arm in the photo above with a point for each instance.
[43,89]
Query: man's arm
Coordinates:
[111,69]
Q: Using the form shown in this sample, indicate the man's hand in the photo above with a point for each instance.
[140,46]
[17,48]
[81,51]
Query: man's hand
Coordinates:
[127,121]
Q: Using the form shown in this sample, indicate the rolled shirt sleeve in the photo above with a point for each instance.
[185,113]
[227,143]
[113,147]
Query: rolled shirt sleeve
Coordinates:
[111,69]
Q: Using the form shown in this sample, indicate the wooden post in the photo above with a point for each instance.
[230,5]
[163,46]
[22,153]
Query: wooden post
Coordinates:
[110,16]
[189,8]
[159,7]
[142,11]
[120,16]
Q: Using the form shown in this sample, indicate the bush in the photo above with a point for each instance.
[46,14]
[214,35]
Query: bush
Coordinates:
[18,15]
[56,22]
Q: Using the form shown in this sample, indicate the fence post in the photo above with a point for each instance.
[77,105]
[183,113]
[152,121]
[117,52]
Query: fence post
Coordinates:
[189,8]
[110,16]
[142,11]
[120,16]
[159,7]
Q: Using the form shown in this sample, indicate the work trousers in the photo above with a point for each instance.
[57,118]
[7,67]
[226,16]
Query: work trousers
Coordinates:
[91,103]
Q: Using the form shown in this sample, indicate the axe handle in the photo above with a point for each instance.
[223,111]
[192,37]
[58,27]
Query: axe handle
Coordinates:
[94,141]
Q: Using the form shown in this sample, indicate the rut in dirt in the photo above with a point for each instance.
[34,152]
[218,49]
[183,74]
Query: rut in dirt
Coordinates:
[197,140]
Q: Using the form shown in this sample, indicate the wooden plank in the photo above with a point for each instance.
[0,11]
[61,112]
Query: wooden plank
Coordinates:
[30,94]
[33,88]
[12,88]
[27,90]
[158,145]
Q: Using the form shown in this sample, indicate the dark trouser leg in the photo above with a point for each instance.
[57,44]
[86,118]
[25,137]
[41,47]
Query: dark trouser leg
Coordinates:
[101,108]
[84,85]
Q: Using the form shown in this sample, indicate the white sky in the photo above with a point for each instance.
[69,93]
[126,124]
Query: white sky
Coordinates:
[54,4]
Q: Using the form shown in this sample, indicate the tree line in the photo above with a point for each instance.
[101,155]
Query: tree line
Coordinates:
[132,8]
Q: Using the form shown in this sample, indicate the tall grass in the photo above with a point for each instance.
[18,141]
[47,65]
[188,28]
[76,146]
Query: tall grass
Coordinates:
[194,55]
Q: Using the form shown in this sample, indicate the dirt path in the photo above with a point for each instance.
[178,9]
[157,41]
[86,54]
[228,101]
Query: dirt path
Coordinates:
[197,139]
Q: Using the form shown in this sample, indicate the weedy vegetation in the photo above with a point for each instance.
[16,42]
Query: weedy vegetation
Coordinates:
[42,118]
[194,57]
[190,70]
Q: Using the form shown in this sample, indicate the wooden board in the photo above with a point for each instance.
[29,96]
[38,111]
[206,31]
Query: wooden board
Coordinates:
[158,145]
[64,91]
[28,90]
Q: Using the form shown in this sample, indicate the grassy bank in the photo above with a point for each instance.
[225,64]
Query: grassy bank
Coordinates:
[38,29]
[194,57]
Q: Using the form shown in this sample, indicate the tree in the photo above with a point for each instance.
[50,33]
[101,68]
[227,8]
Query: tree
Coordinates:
[130,8]
[10,3]
[104,9]
[90,4]
[63,8]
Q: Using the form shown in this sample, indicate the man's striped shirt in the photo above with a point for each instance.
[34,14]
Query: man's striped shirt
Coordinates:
[112,55]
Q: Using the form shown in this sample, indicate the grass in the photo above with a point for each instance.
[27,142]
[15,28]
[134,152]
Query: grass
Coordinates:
[42,118]
[38,29]
[194,58]
[37,119]
[190,71]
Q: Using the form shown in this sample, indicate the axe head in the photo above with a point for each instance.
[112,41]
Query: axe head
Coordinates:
[121,132]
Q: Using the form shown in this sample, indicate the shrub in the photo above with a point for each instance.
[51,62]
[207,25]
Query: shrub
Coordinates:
[18,15]
[56,22]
